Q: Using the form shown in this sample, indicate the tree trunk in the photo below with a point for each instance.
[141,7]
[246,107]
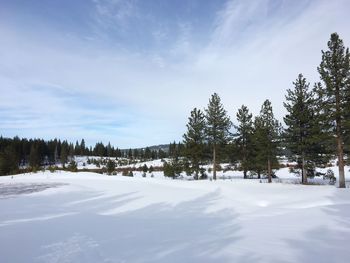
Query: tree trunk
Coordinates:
[259,176]
[244,161]
[269,170]
[303,171]
[340,149]
[340,161]
[214,162]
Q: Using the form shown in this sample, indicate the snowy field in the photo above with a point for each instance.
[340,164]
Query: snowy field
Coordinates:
[87,217]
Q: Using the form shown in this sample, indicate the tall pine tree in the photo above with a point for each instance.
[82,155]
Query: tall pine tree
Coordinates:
[300,136]
[268,136]
[334,71]
[218,126]
[244,138]
[194,139]
[258,160]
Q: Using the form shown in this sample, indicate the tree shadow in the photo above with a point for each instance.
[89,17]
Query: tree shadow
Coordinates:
[328,242]
[156,233]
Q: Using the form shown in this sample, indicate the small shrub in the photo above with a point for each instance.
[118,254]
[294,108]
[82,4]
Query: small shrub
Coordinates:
[144,168]
[110,166]
[72,166]
[52,169]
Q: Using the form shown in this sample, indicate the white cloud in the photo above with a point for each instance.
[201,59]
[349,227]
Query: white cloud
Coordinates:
[145,98]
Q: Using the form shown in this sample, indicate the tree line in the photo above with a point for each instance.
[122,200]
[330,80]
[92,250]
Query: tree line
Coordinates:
[35,153]
[317,125]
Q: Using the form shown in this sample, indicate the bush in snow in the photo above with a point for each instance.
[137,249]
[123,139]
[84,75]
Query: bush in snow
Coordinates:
[144,168]
[110,166]
[127,173]
[72,166]
[172,169]
[330,176]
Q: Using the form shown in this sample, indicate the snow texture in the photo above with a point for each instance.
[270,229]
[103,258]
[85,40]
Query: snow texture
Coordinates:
[87,217]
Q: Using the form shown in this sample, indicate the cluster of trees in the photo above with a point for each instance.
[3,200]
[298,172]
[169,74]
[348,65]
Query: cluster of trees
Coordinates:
[317,125]
[255,143]
[34,153]
[145,154]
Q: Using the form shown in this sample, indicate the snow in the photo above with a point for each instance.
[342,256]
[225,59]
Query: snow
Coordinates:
[88,217]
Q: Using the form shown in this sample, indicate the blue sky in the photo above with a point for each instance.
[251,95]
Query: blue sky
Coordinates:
[129,72]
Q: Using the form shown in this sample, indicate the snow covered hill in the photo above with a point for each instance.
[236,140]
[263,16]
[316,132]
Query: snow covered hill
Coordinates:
[87,217]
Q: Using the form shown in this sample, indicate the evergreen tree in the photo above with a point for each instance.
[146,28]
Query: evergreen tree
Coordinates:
[161,154]
[109,149]
[110,166]
[8,160]
[77,150]
[268,135]
[148,154]
[136,153]
[258,154]
[244,138]
[194,139]
[334,71]
[34,159]
[82,147]
[144,168]
[130,154]
[172,149]
[299,134]
[64,153]
[218,126]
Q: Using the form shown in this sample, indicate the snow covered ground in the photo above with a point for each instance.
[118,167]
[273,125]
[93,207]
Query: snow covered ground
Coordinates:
[87,217]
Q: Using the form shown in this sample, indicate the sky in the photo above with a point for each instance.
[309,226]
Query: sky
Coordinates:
[130,72]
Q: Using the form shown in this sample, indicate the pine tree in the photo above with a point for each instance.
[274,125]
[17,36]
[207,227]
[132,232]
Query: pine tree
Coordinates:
[110,166]
[144,168]
[218,126]
[8,160]
[130,154]
[268,134]
[334,71]
[64,153]
[148,153]
[258,151]
[82,147]
[77,149]
[194,139]
[300,123]
[244,137]
[109,149]
[34,160]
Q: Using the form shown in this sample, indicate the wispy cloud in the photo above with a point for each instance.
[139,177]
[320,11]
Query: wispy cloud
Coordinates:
[140,89]
[112,13]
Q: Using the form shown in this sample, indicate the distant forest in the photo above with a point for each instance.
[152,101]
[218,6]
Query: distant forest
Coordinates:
[16,152]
